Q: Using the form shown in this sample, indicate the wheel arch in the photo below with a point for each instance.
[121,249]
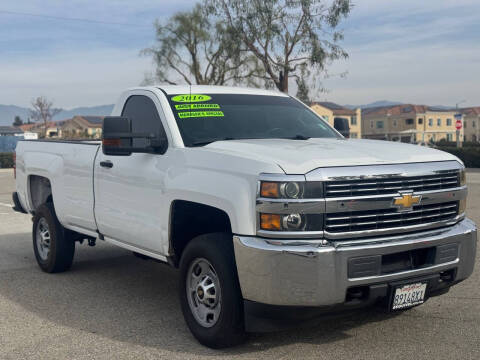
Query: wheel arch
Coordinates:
[39,191]
[190,219]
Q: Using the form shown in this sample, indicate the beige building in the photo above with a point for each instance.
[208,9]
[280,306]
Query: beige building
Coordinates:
[53,129]
[471,123]
[330,111]
[83,127]
[409,123]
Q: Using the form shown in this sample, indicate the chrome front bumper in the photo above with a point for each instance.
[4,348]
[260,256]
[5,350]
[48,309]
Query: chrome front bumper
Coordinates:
[307,273]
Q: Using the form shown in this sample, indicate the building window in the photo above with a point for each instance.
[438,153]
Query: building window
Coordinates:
[473,123]
[430,122]
[353,120]
[371,124]
[449,122]
[464,124]
[409,121]
[439,122]
[379,124]
[449,137]
[353,135]
[395,123]
[420,121]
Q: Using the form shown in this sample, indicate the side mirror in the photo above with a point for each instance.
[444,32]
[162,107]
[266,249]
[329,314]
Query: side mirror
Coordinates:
[112,144]
[341,125]
[117,138]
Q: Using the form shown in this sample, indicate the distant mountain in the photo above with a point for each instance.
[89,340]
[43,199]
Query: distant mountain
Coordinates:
[441,107]
[101,110]
[8,112]
[379,103]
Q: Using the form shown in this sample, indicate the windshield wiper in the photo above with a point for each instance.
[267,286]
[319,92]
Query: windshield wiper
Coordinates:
[209,141]
[299,137]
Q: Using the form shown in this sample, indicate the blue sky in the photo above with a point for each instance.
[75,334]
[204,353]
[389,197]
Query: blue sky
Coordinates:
[404,50]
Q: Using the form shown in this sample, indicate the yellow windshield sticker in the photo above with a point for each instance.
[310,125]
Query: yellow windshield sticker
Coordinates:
[197,114]
[191,98]
[196,106]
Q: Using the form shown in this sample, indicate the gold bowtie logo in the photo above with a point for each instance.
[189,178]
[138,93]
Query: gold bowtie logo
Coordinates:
[406,201]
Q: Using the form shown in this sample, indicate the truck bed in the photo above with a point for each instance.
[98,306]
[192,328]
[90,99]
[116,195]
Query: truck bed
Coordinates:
[69,165]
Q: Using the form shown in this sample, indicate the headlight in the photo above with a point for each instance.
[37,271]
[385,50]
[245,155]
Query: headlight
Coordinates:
[284,205]
[463,177]
[277,222]
[291,222]
[291,190]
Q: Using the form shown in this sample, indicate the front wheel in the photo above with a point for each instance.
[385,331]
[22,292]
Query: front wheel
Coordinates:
[53,247]
[210,293]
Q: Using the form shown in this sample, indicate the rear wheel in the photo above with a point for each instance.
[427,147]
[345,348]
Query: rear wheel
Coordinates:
[52,245]
[210,293]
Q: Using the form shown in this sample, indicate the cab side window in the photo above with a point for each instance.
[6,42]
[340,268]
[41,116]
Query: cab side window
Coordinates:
[144,116]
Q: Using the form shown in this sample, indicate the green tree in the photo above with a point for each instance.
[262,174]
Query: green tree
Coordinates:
[287,36]
[195,47]
[303,92]
[17,121]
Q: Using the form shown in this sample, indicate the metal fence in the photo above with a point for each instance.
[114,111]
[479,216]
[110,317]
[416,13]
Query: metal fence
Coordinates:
[8,143]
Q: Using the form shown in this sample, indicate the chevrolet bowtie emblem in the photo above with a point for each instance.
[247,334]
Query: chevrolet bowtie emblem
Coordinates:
[406,201]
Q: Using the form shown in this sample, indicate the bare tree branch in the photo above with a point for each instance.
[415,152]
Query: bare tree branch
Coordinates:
[43,110]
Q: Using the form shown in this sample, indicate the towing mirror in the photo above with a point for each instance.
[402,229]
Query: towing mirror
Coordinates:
[118,139]
[341,125]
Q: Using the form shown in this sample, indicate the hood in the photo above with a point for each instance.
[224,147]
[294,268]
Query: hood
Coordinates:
[302,156]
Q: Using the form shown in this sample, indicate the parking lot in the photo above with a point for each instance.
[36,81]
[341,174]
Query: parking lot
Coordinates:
[114,305]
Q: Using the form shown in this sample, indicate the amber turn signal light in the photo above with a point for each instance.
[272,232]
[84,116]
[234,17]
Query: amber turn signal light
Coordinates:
[269,189]
[270,222]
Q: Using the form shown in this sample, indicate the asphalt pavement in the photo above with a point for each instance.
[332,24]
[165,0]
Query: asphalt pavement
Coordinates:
[112,305]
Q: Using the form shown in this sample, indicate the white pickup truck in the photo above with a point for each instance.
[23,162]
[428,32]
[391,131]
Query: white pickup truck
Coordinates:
[270,214]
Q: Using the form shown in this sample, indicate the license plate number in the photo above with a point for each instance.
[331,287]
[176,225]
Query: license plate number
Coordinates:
[409,295]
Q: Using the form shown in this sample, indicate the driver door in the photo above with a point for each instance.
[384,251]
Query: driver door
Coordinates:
[129,190]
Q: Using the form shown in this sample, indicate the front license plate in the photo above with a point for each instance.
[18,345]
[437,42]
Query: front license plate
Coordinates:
[409,295]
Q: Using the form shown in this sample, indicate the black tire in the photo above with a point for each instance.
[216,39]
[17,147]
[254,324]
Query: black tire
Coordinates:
[61,244]
[229,329]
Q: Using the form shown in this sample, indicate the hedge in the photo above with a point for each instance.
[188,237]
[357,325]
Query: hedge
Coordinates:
[6,160]
[470,155]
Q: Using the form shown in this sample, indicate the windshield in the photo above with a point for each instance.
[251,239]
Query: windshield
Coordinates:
[203,118]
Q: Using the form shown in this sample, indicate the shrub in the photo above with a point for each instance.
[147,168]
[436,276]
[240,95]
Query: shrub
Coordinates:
[6,160]
[470,155]
[444,143]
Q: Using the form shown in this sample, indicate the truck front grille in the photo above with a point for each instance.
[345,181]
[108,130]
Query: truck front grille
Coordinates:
[389,185]
[389,218]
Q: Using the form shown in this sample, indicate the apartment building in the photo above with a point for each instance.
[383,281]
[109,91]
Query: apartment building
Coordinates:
[330,111]
[409,123]
[471,123]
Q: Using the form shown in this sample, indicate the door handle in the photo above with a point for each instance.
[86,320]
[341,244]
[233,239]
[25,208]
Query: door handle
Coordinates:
[106,164]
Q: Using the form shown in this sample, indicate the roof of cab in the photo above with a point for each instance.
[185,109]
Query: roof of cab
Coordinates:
[210,89]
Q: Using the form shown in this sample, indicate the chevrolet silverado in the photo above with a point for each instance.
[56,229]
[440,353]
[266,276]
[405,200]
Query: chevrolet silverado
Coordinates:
[270,214]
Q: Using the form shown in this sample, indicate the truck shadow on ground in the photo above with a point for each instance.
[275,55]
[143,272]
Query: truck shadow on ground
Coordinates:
[114,294]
